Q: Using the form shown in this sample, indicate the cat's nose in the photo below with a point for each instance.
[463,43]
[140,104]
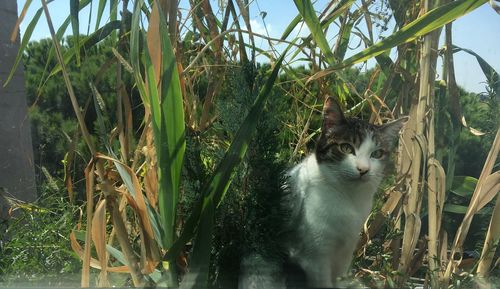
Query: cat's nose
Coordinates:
[362,170]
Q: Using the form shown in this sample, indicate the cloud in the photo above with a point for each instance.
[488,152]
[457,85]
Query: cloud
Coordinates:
[258,27]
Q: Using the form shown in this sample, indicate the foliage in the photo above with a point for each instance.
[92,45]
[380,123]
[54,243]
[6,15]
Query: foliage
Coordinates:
[171,106]
[480,112]
[37,243]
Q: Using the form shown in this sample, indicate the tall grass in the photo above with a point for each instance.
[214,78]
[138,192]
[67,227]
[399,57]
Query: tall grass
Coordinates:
[133,189]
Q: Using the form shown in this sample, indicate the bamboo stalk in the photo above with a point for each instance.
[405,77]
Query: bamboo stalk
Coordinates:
[419,150]
[436,180]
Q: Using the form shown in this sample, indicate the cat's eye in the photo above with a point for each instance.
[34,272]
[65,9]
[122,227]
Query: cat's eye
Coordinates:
[346,148]
[377,154]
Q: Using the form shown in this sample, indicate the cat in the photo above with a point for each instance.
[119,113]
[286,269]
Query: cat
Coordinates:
[328,197]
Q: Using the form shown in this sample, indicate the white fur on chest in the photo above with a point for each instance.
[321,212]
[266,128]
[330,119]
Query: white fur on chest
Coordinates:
[333,213]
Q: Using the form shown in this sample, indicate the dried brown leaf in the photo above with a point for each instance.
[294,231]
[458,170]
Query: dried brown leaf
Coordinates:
[99,239]
[94,263]
[139,203]
[463,229]
[89,187]
[489,189]
[471,129]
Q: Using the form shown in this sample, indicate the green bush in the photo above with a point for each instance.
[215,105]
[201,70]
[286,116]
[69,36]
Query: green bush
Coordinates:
[36,242]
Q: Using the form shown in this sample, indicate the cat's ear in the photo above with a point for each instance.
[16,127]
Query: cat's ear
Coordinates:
[391,129]
[332,114]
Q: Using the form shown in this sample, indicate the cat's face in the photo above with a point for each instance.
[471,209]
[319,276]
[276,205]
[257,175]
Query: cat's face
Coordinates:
[353,149]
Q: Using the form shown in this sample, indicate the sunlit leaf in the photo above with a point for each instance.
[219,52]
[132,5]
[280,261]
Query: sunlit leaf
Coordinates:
[417,28]
[308,13]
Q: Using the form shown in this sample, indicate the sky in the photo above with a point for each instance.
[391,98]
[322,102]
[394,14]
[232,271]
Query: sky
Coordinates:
[478,31]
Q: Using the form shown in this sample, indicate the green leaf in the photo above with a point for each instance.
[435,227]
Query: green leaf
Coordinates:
[117,254]
[345,35]
[99,107]
[75,24]
[88,42]
[135,55]
[291,26]
[307,12]
[463,186]
[340,8]
[200,258]
[215,190]
[491,74]
[59,35]
[113,13]
[427,23]
[80,235]
[100,11]
[459,209]
[169,134]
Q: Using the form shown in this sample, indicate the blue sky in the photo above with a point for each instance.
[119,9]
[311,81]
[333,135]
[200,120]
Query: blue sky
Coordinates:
[478,31]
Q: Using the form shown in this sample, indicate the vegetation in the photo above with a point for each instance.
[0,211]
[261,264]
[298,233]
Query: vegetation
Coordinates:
[158,147]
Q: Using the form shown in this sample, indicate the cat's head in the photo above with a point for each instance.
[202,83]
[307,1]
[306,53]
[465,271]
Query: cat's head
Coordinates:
[352,148]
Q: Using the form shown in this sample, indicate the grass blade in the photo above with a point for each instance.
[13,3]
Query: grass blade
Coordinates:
[295,21]
[75,24]
[343,39]
[113,14]
[200,258]
[341,7]
[87,42]
[307,12]
[100,11]
[135,35]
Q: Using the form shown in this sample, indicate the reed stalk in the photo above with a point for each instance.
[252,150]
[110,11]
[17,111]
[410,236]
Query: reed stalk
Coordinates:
[419,157]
